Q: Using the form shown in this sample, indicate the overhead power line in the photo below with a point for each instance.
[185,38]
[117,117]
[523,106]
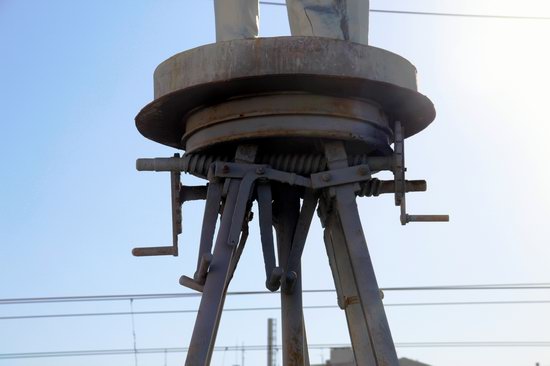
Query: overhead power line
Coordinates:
[266,308]
[440,14]
[59,299]
[110,352]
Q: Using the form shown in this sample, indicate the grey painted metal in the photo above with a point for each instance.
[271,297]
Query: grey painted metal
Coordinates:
[336,177]
[341,19]
[215,288]
[280,125]
[368,292]
[281,56]
[317,116]
[346,287]
[257,171]
[272,274]
[303,164]
[286,114]
[211,212]
[236,19]
[401,184]
[175,195]
[320,67]
[292,268]
[286,209]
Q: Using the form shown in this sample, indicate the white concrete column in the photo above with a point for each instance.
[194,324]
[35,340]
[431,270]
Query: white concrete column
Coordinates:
[236,19]
[341,19]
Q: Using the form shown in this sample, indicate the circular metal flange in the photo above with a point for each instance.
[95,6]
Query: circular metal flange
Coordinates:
[218,75]
[283,116]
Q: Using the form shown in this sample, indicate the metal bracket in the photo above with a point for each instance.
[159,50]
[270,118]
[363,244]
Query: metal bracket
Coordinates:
[337,177]
[236,170]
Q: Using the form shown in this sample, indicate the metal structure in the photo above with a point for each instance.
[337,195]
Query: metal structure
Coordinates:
[296,124]
[271,342]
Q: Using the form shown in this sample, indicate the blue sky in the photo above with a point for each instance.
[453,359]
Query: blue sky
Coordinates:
[74,74]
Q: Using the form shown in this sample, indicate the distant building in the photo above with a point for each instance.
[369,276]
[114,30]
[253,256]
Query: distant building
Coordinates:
[344,357]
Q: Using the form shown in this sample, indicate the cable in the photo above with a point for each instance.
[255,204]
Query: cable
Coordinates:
[108,352]
[460,15]
[311,307]
[60,299]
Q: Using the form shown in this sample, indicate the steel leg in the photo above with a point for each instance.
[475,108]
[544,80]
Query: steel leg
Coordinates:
[215,288]
[351,239]
[286,213]
[348,299]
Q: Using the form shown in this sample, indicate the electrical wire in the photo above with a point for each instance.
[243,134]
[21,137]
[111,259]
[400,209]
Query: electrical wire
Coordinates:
[440,14]
[60,299]
[272,308]
[109,352]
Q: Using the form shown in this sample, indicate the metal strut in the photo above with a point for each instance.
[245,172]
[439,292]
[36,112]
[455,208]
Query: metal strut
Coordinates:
[279,183]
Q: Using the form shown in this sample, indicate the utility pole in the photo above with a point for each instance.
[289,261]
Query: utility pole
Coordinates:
[271,339]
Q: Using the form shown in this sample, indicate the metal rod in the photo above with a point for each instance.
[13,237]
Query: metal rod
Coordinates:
[198,164]
[211,211]
[152,251]
[347,291]
[215,288]
[286,211]
[266,233]
[368,292]
[427,218]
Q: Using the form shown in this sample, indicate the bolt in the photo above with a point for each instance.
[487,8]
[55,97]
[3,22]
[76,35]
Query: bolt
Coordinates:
[260,171]
[326,177]
[225,169]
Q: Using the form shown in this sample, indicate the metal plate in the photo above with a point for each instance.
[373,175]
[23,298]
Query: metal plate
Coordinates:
[215,73]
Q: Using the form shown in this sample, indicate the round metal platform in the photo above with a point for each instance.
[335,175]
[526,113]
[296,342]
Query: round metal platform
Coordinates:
[283,89]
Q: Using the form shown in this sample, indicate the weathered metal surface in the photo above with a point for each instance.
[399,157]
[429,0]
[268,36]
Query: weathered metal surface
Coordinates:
[366,287]
[340,19]
[286,209]
[401,184]
[303,164]
[341,176]
[318,116]
[318,66]
[236,19]
[303,116]
[215,288]
[346,287]
[272,273]
[235,184]
[292,268]
[308,128]
[210,218]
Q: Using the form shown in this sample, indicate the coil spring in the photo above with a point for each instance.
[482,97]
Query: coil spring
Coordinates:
[198,164]
[370,188]
[304,164]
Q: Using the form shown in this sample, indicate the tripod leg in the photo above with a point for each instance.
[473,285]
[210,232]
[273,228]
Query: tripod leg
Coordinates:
[215,288]
[286,212]
[347,292]
[352,240]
